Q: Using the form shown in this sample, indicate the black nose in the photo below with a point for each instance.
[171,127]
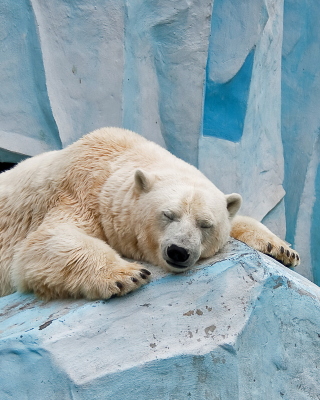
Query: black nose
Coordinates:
[177,254]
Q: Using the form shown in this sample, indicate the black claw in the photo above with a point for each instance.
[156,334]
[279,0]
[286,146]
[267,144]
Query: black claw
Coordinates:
[281,249]
[298,258]
[135,280]
[145,271]
[120,285]
[269,248]
[293,255]
[143,276]
[288,253]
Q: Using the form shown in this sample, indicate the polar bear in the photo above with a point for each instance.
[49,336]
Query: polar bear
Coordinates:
[68,217]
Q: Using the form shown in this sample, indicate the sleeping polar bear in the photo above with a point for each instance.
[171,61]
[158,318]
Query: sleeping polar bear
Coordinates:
[67,217]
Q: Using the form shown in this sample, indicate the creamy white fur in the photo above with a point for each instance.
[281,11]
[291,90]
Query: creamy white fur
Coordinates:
[67,216]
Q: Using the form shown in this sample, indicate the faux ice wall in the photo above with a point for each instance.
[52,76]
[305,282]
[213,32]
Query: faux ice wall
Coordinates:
[232,87]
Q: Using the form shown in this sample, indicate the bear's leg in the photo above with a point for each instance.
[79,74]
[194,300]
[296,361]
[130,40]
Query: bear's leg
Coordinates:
[258,236]
[60,260]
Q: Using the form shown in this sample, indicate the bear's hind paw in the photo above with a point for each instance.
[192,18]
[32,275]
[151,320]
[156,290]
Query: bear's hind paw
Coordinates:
[283,253]
[259,237]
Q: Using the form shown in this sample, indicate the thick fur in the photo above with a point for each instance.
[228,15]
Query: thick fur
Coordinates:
[66,217]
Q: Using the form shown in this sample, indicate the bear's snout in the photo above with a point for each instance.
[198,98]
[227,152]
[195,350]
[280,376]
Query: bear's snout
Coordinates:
[177,253]
[177,256]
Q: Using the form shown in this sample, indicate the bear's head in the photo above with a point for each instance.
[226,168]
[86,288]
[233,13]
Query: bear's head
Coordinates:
[181,218]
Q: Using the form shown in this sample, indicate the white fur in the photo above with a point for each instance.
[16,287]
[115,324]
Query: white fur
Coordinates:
[67,217]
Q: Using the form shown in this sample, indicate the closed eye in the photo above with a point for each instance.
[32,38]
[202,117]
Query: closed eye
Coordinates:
[205,224]
[169,215]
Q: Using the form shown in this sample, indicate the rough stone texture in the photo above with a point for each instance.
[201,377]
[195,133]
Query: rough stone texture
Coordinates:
[71,67]
[239,327]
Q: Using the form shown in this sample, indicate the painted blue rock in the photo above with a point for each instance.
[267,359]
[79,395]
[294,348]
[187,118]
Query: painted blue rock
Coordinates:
[240,326]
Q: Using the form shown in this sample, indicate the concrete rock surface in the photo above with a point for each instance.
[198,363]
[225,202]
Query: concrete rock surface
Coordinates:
[240,326]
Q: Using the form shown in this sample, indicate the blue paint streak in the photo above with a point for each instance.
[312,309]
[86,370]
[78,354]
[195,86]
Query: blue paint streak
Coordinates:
[225,104]
[300,100]
[315,231]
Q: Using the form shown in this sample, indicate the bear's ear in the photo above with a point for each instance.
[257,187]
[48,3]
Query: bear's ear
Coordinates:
[234,201]
[143,180]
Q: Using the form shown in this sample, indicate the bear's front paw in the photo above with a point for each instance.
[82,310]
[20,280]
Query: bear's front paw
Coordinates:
[130,281]
[123,279]
[282,253]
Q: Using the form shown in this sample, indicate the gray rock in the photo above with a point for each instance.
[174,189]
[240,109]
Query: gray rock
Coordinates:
[240,326]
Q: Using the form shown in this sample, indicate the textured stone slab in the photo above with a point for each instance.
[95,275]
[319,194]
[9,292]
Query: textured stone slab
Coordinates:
[240,326]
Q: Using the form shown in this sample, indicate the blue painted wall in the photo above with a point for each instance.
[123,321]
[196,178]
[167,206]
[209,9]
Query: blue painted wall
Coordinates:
[293,129]
[225,104]
[301,124]
[315,231]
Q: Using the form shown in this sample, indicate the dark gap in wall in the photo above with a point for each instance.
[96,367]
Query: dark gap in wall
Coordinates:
[4,166]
